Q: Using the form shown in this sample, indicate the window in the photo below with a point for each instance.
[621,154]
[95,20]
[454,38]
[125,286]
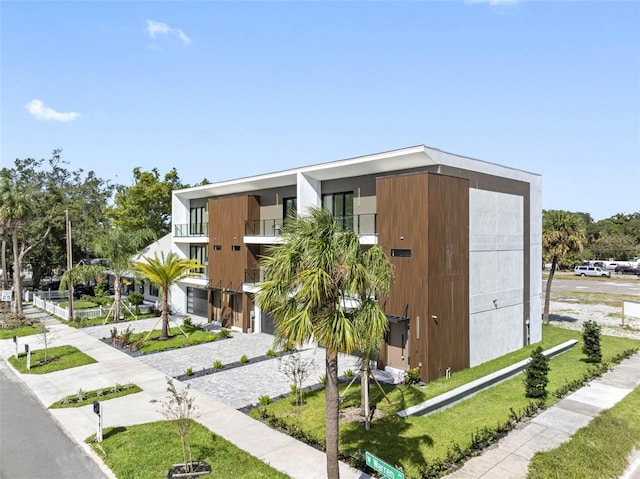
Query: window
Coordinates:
[401,253]
[217,247]
[199,252]
[198,221]
[340,205]
[290,206]
[235,247]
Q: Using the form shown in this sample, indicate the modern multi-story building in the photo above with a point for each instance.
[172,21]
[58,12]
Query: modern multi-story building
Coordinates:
[464,237]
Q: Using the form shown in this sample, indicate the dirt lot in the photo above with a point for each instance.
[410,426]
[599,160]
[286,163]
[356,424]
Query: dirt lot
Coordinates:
[571,305]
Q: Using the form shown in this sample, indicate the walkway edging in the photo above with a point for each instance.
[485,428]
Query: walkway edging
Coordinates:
[465,391]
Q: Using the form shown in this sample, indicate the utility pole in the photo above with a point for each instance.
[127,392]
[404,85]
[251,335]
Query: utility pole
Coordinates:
[69,265]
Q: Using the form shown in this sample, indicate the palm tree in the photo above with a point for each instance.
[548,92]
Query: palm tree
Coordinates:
[15,209]
[164,272]
[117,247]
[320,285]
[562,233]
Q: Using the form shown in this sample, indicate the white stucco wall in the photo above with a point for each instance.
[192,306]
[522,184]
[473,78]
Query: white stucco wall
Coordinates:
[496,269]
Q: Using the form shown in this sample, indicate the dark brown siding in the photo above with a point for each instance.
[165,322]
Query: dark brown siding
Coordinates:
[429,215]
[448,281]
[227,217]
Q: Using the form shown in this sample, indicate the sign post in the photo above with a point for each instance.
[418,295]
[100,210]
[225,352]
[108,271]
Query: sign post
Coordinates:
[15,341]
[28,351]
[387,470]
[97,408]
[5,297]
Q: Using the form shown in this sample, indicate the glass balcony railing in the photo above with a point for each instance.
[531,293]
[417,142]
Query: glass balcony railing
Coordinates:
[253,275]
[263,227]
[191,229]
[361,224]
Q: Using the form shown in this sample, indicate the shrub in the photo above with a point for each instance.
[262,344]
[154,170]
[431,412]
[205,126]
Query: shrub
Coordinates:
[189,372]
[224,334]
[264,400]
[323,379]
[412,376]
[348,373]
[591,341]
[217,364]
[536,375]
[81,395]
[244,359]
[271,353]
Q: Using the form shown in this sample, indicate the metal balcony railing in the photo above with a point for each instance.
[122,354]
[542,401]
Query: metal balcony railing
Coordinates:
[191,229]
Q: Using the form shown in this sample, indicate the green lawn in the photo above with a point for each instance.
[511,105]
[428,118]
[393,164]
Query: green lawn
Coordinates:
[64,357]
[409,442]
[147,451]
[8,333]
[599,450]
[176,339]
[84,323]
[82,398]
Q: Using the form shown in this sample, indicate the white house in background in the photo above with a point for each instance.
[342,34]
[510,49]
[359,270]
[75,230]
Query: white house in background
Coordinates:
[464,236]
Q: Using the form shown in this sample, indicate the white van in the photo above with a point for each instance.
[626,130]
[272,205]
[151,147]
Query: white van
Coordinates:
[591,271]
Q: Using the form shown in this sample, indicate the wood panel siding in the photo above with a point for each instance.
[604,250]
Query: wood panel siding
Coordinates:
[428,214]
[227,217]
[447,341]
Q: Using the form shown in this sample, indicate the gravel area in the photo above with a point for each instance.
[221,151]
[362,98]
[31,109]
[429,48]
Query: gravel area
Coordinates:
[571,315]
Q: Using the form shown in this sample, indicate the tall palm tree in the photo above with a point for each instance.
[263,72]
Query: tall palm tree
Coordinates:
[15,209]
[320,285]
[562,233]
[164,272]
[117,247]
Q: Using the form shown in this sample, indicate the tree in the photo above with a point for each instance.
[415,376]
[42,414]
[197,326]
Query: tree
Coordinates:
[180,408]
[617,247]
[164,272]
[52,190]
[562,233]
[309,281]
[117,247]
[536,375]
[147,203]
[591,341]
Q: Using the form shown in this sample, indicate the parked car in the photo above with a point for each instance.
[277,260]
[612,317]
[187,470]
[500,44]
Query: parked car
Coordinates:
[626,270]
[80,290]
[591,271]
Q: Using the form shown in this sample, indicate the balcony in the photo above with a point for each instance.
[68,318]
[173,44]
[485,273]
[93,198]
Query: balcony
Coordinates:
[253,275]
[364,225]
[263,227]
[191,229]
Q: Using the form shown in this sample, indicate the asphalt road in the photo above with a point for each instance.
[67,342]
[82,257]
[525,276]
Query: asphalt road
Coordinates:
[32,444]
[627,284]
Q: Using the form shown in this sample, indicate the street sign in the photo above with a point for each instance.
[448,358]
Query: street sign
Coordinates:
[5,295]
[387,470]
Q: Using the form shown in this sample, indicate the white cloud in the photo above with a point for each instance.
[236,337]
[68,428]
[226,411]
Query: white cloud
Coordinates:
[42,112]
[158,28]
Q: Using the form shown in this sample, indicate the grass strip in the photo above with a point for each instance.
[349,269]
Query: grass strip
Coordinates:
[411,441]
[599,450]
[8,333]
[82,398]
[84,323]
[147,451]
[176,339]
[59,358]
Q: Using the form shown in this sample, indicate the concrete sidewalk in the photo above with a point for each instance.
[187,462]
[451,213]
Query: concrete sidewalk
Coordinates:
[282,452]
[510,458]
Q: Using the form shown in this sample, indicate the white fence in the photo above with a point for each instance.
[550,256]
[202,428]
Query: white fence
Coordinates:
[78,314]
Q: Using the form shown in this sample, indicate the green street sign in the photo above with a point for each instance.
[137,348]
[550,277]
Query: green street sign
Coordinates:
[387,470]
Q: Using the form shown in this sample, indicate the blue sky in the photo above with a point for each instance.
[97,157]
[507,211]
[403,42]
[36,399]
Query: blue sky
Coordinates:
[230,89]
